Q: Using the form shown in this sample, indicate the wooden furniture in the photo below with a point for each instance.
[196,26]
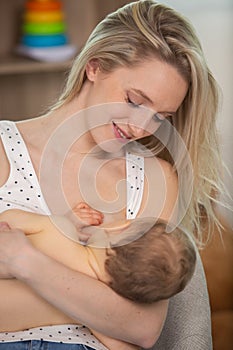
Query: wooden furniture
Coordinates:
[217,259]
[28,87]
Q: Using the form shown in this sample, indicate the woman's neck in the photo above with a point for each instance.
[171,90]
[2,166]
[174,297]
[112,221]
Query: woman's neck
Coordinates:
[36,132]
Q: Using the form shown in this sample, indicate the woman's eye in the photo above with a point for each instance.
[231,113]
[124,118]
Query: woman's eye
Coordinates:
[131,102]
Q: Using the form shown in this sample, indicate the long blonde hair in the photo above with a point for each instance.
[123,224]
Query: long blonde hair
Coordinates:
[145,29]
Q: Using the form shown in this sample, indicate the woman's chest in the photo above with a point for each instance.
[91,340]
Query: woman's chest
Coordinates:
[97,182]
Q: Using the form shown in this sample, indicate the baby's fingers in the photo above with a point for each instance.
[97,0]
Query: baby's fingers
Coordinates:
[91,218]
[83,207]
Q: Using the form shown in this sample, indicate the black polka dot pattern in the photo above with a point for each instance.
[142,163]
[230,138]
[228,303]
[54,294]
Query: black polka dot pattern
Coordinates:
[135,183]
[21,190]
[72,334]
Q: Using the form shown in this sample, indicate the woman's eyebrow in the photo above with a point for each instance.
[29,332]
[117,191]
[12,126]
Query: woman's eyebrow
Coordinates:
[139,92]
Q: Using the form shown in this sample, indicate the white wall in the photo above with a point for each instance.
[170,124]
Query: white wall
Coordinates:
[213,21]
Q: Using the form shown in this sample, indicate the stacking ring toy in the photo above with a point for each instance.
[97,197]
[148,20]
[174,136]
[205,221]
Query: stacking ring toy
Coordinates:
[43,16]
[44,40]
[43,28]
[43,6]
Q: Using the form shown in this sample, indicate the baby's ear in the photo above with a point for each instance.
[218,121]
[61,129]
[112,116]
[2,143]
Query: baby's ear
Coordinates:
[4,226]
[28,222]
[92,69]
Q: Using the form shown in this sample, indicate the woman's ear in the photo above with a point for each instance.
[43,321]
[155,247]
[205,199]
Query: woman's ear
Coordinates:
[92,68]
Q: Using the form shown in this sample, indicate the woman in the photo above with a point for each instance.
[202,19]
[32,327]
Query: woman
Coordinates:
[146,55]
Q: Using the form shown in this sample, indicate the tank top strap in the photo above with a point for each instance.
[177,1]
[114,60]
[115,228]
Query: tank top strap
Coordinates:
[13,143]
[9,133]
[22,188]
[135,183]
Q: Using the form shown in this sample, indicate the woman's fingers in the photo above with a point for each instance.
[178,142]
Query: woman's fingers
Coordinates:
[13,243]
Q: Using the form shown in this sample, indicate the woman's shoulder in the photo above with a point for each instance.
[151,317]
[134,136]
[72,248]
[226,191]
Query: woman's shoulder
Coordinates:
[161,188]
[35,136]
[159,164]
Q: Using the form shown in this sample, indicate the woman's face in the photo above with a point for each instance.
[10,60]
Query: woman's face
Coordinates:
[131,102]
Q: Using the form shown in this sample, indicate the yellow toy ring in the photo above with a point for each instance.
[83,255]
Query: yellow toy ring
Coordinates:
[50,16]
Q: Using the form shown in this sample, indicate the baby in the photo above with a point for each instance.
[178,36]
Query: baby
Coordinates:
[140,261]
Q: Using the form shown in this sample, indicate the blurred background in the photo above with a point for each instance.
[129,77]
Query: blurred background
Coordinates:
[213,21]
[28,86]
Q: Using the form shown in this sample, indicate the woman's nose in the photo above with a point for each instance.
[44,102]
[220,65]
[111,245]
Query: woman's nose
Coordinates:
[139,121]
[137,131]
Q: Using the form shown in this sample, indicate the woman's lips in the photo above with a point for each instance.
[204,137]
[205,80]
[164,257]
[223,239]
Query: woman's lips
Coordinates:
[119,133]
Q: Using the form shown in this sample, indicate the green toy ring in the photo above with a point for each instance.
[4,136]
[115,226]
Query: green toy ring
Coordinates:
[43,28]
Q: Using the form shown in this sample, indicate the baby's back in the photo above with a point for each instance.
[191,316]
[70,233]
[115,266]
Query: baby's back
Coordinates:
[21,307]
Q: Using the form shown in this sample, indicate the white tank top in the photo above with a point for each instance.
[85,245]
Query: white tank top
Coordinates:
[22,191]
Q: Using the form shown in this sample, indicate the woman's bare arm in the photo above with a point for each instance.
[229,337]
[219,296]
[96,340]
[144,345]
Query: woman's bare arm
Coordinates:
[60,286]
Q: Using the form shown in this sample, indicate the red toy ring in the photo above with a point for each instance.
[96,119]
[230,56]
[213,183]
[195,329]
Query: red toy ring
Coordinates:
[43,6]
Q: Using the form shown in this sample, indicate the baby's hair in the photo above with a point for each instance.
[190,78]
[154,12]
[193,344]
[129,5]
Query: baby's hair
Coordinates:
[155,266]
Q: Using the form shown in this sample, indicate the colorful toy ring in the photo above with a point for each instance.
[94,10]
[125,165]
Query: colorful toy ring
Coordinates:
[43,28]
[43,6]
[50,16]
[44,40]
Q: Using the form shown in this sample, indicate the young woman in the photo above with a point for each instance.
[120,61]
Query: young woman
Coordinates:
[147,56]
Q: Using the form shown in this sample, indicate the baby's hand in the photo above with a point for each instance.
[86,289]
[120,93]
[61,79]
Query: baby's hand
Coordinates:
[88,215]
[83,215]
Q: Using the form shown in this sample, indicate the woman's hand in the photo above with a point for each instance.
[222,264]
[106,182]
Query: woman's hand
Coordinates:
[13,243]
[3,273]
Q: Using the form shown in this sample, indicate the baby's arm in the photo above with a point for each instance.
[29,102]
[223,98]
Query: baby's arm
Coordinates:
[30,223]
[16,299]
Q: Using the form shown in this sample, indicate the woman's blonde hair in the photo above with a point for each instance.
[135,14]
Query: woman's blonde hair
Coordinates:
[145,29]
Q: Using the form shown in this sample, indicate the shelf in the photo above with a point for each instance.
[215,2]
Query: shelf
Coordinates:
[17,65]
[29,87]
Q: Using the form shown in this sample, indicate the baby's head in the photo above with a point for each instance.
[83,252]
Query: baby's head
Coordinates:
[155,266]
